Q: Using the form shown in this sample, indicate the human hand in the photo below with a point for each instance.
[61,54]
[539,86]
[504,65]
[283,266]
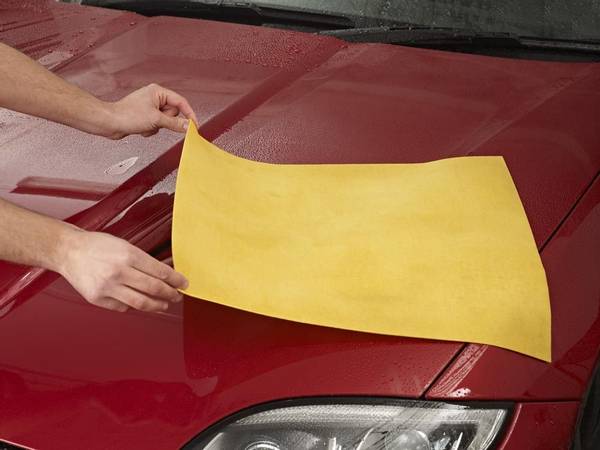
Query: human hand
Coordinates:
[147,110]
[111,273]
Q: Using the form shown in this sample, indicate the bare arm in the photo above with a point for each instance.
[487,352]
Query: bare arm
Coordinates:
[107,271]
[26,86]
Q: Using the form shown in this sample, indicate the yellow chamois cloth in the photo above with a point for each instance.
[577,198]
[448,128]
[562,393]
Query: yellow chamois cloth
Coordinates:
[437,250]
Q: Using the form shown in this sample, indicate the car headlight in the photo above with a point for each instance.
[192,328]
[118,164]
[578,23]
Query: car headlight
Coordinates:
[396,425]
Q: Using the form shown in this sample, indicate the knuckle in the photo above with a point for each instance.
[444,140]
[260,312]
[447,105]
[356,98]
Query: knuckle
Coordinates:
[171,293]
[104,285]
[137,303]
[128,256]
[112,305]
[122,259]
[93,297]
[155,288]
[166,275]
[117,274]
[96,293]
[162,273]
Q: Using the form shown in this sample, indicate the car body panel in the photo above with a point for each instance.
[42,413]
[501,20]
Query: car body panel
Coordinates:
[73,373]
[54,33]
[541,426]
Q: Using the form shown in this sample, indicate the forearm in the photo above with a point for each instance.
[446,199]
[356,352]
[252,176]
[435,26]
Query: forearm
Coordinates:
[107,271]
[32,239]
[27,87]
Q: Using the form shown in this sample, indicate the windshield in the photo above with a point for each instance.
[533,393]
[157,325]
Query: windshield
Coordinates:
[547,19]
[558,30]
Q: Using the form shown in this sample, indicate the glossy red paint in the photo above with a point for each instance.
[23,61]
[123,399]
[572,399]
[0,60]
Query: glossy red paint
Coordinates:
[74,376]
[54,33]
[541,426]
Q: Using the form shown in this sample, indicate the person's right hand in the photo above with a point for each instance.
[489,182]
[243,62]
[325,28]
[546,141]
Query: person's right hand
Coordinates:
[112,273]
[146,111]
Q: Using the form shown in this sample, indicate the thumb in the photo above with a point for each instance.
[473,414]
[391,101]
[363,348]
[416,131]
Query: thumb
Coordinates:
[178,124]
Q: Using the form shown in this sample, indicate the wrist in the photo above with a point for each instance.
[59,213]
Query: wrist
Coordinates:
[65,246]
[108,120]
[97,117]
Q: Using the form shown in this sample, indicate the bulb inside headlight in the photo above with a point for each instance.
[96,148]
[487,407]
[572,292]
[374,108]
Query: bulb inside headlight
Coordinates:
[263,445]
[407,440]
[398,425]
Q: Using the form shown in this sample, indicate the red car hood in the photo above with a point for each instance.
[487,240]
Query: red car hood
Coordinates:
[70,371]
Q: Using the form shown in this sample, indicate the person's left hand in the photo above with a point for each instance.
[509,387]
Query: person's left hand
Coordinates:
[147,110]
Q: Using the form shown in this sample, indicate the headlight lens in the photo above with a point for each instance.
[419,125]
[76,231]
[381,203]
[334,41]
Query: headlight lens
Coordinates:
[406,425]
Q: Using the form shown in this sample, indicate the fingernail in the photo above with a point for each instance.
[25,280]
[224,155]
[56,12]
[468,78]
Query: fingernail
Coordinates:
[186,284]
[184,124]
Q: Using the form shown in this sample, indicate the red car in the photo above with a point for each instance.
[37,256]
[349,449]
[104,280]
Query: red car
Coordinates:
[302,82]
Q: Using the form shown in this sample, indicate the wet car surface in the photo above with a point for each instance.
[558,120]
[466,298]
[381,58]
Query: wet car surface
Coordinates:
[71,373]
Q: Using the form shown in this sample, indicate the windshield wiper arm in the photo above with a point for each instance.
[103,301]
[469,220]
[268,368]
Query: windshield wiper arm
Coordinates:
[426,36]
[246,12]
[420,35]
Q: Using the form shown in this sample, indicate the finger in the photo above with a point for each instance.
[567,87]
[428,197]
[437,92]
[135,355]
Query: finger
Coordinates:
[149,133]
[153,287]
[154,268]
[169,110]
[111,303]
[178,124]
[174,99]
[137,300]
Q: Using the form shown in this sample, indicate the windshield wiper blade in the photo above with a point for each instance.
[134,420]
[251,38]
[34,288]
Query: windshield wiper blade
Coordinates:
[427,36]
[421,35]
[230,10]
[584,45]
